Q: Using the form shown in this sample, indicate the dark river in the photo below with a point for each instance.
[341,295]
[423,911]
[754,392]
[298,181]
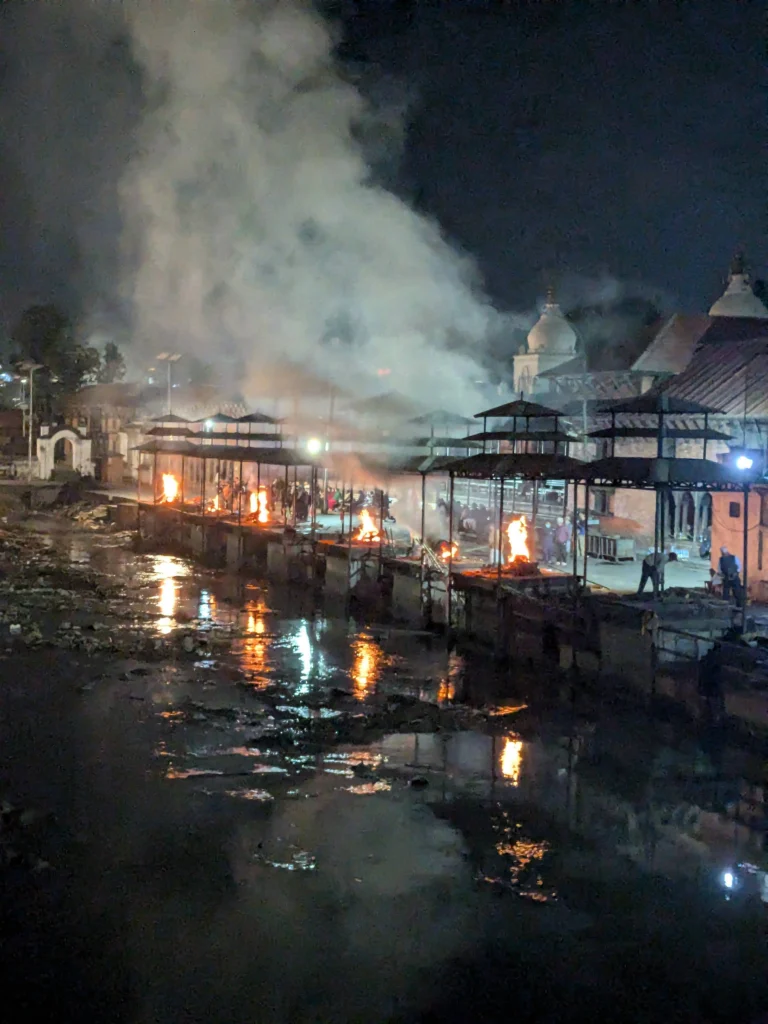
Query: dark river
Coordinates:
[302,819]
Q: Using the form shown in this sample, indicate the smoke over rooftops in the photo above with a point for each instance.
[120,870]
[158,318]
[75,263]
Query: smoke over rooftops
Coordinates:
[254,228]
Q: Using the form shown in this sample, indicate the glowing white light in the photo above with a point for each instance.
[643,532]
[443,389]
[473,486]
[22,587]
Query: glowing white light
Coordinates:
[744,462]
[209,424]
[728,880]
[302,645]
[314,445]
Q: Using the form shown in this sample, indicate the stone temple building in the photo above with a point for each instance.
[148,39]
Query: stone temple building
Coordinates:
[718,359]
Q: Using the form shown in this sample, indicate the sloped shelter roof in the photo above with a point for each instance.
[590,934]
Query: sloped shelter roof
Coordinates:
[676,433]
[517,409]
[734,377]
[522,435]
[526,465]
[656,403]
[441,416]
[230,453]
[674,344]
[691,474]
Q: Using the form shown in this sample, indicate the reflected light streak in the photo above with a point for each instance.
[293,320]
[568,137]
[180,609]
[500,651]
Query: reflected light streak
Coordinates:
[366,667]
[303,647]
[512,759]
[254,645]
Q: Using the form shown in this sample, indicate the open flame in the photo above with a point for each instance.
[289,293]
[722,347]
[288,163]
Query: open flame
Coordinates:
[170,487]
[253,503]
[368,530]
[263,516]
[517,533]
[214,506]
[449,551]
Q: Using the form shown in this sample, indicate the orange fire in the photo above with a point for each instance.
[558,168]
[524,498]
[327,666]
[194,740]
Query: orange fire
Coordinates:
[263,506]
[517,532]
[450,551]
[368,530]
[253,503]
[214,507]
[170,487]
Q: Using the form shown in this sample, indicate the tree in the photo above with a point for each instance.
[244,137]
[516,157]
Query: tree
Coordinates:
[112,366]
[45,335]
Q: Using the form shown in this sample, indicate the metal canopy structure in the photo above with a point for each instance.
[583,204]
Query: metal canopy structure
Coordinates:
[656,473]
[526,465]
[651,404]
[558,436]
[519,409]
[230,453]
[676,433]
[441,417]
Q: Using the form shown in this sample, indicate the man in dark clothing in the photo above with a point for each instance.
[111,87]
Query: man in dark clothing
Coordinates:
[729,570]
[711,683]
[653,569]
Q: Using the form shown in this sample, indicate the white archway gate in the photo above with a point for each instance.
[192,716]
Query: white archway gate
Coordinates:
[46,449]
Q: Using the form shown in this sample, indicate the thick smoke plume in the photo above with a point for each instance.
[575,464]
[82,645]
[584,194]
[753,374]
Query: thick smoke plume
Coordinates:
[254,230]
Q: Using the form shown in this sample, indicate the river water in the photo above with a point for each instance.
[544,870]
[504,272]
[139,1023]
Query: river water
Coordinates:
[308,819]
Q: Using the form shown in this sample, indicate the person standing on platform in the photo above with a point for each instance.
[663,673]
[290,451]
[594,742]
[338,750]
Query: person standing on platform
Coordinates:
[730,567]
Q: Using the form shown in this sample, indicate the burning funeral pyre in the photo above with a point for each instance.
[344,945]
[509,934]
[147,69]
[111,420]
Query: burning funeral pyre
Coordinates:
[258,505]
[170,487]
[517,535]
[519,559]
[447,552]
[368,531]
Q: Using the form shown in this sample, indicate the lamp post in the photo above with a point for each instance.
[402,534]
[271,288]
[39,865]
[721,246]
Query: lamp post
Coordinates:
[169,358]
[30,367]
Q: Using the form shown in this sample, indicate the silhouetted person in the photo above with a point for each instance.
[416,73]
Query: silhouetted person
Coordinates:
[711,683]
[729,571]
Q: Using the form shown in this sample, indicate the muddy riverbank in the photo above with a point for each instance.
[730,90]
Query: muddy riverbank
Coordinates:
[224,804]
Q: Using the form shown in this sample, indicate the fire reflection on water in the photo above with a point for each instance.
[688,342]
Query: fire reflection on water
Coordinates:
[166,570]
[512,759]
[254,645]
[366,667]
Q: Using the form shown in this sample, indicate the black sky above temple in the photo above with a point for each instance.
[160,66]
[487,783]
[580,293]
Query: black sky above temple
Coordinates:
[563,141]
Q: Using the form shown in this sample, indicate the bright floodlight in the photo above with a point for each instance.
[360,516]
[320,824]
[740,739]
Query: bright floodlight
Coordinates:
[744,462]
[209,424]
[728,879]
[314,445]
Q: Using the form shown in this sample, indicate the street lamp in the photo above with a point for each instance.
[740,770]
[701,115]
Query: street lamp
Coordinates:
[169,358]
[30,367]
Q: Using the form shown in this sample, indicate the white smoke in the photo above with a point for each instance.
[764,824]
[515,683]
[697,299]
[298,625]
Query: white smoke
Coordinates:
[254,230]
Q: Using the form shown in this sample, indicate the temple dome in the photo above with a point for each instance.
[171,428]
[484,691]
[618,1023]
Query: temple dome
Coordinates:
[738,299]
[552,334]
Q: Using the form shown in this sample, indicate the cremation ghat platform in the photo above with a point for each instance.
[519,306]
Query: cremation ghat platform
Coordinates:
[520,576]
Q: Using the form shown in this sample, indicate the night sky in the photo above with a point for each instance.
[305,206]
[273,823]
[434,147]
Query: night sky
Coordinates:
[577,142]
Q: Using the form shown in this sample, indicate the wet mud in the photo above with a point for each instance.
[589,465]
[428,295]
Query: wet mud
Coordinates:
[223,805]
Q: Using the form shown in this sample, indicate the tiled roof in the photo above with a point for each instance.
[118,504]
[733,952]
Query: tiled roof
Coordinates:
[732,377]
[674,344]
